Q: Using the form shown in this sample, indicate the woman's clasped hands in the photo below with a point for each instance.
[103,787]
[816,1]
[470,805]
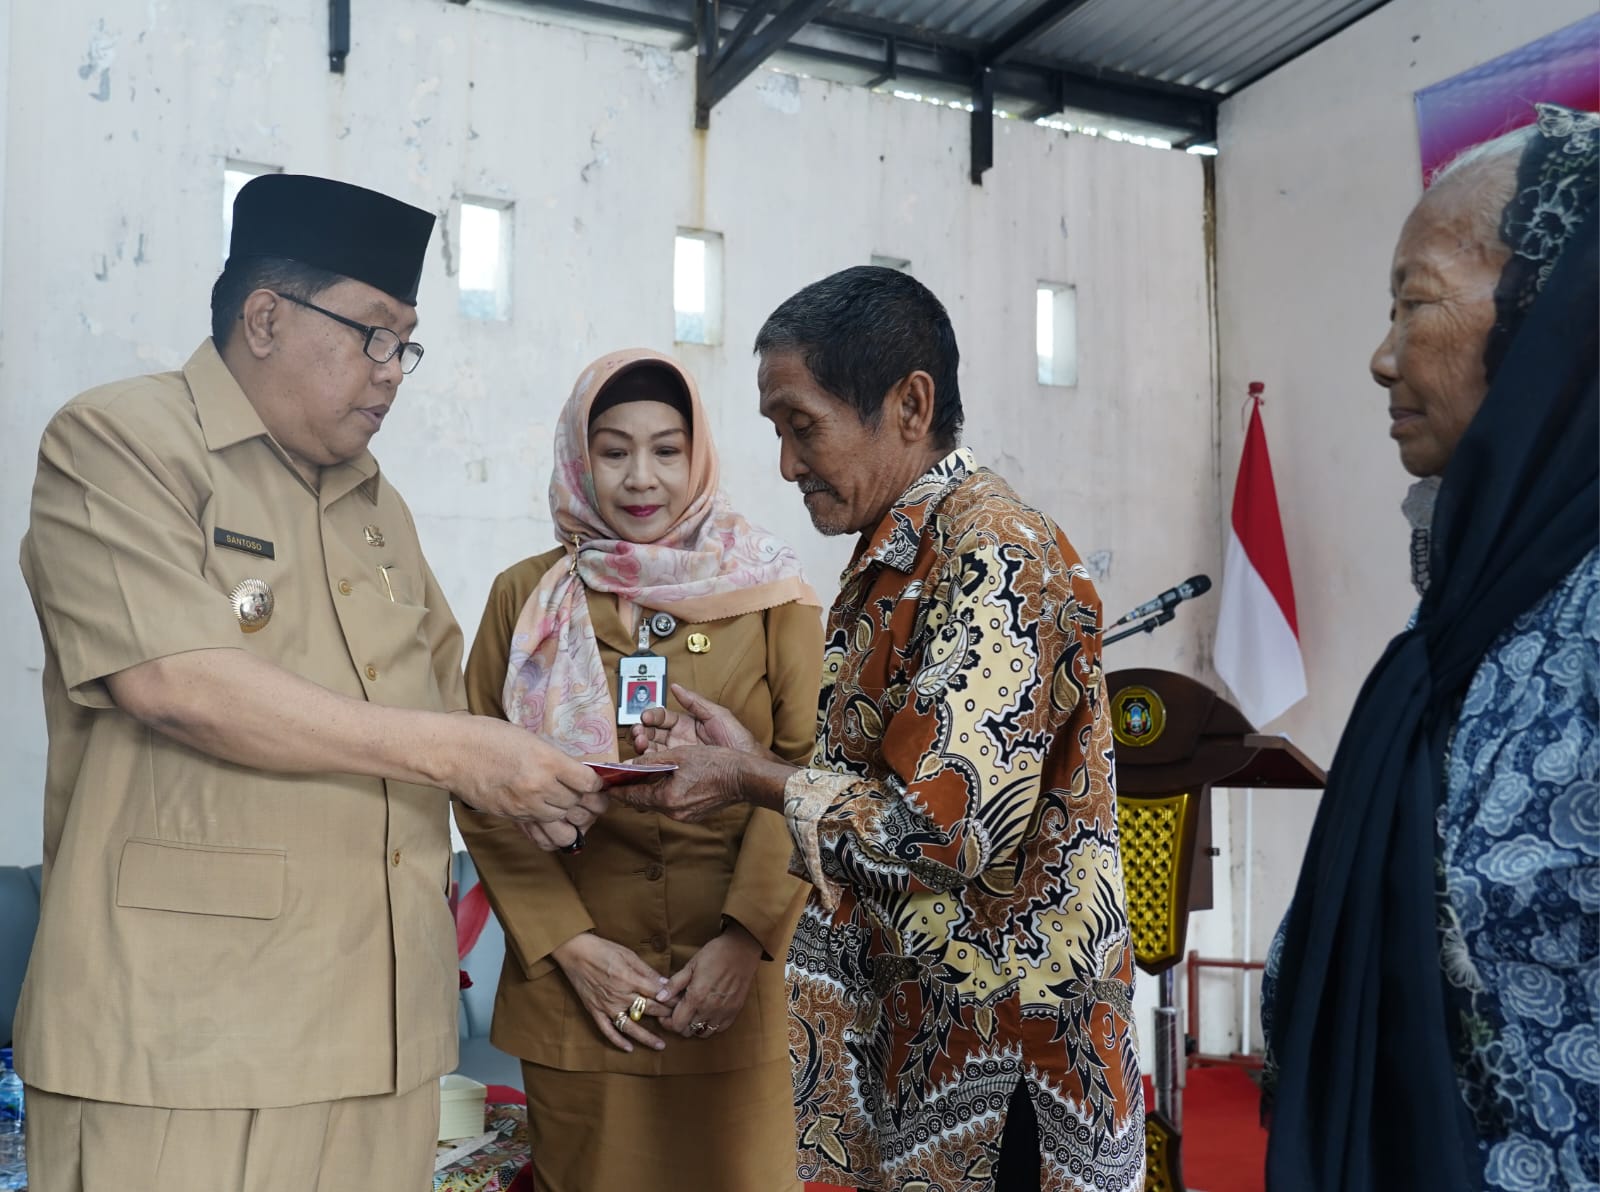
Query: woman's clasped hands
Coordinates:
[629,1001]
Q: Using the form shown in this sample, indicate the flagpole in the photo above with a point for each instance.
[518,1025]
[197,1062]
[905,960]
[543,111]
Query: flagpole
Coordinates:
[1249,865]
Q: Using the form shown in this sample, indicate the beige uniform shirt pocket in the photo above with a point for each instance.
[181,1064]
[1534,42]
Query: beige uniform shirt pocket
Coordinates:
[202,879]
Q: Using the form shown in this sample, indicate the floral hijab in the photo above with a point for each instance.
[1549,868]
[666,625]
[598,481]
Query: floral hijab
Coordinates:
[711,564]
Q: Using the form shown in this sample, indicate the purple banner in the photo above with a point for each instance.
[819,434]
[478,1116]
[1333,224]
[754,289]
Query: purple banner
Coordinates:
[1498,96]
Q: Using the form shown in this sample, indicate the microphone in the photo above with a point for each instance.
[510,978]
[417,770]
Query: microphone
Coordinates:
[1195,585]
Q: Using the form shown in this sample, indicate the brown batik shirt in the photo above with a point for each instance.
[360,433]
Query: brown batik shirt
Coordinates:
[959,822]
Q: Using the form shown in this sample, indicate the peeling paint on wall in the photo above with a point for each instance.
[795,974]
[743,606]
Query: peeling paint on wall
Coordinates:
[447,246]
[660,66]
[601,157]
[780,92]
[101,52]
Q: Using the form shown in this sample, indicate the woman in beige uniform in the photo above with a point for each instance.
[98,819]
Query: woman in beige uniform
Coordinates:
[686,925]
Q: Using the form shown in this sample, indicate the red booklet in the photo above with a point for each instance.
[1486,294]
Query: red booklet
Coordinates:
[627,774]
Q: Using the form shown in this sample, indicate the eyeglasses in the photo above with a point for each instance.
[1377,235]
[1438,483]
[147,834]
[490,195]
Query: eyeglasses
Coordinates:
[382,343]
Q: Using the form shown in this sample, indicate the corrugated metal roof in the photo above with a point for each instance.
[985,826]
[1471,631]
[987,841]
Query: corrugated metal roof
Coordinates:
[1158,67]
[1214,45]
[978,20]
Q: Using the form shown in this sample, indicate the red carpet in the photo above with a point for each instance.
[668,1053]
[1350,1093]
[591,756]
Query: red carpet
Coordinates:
[1224,1146]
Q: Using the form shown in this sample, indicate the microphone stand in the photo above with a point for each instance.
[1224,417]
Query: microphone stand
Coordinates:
[1149,626]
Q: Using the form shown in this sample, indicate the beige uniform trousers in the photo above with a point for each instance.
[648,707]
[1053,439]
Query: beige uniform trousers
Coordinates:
[359,1144]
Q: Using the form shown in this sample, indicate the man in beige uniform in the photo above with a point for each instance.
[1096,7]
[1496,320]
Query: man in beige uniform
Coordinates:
[245,973]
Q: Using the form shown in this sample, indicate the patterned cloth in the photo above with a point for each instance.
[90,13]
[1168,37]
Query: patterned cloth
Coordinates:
[1365,1026]
[494,1166]
[1520,860]
[959,822]
[712,564]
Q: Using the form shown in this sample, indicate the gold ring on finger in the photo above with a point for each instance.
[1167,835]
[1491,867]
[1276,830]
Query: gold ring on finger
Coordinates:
[636,1011]
[621,1020]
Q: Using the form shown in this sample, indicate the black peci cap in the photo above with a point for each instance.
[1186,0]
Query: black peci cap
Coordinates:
[334,226]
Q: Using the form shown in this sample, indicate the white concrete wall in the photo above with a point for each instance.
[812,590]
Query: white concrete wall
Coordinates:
[1318,168]
[121,114]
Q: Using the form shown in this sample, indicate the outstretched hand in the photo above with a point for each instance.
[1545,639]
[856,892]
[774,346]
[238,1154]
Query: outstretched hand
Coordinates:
[701,722]
[703,782]
[504,770]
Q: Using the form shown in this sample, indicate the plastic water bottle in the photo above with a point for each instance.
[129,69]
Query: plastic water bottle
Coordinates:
[13,1123]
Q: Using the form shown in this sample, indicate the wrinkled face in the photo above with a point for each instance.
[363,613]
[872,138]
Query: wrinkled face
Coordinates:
[1431,362]
[639,458]
[329,397]
[850,474]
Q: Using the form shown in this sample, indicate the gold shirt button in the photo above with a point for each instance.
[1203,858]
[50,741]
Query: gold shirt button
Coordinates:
[395,859]
[699,643]
[372,672]
[344,587]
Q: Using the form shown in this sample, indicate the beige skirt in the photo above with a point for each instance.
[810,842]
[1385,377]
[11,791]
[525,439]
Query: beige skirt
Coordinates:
[710,1132]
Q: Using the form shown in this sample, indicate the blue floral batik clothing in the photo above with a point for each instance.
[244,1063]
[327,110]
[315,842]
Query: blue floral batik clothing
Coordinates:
[1519,862]
[1520,859]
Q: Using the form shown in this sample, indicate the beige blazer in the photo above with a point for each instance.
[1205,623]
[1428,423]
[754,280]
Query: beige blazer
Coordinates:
[212,936]
[657,886]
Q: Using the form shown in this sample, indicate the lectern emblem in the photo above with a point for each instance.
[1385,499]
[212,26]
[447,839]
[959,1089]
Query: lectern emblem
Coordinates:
[1138,717]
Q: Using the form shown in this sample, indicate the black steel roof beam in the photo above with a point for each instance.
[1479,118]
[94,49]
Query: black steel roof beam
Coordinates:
[982,124]
[861,43]
[1050,106]
[891,65]
[707,33]
[752,17]
[338,34]
[1036,24]
[1036,91]
[732,69]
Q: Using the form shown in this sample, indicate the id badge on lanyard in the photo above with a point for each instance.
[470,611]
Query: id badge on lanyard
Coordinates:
[641,680]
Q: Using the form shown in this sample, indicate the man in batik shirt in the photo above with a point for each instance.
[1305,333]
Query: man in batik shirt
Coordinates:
[961,1004]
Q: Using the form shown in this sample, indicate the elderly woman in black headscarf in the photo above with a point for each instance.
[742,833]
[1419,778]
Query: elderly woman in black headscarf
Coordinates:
[1433,992]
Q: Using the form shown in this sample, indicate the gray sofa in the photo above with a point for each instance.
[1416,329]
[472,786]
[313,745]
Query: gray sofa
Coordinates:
[19,917]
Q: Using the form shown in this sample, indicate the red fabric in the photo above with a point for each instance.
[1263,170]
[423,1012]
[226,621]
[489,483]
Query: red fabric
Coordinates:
[504,1094]
[1256,520]
[472,912]
[524,1180]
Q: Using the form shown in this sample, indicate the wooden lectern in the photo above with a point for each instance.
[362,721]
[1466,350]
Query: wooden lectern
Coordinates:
[1176,738]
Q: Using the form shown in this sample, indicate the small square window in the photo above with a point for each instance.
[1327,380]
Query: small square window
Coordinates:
[234,175]
[484,272]
[697,287]
[1056,334]
[899,263]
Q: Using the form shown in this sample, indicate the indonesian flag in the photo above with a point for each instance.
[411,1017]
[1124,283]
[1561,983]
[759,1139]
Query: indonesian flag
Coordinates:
[1258,635]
